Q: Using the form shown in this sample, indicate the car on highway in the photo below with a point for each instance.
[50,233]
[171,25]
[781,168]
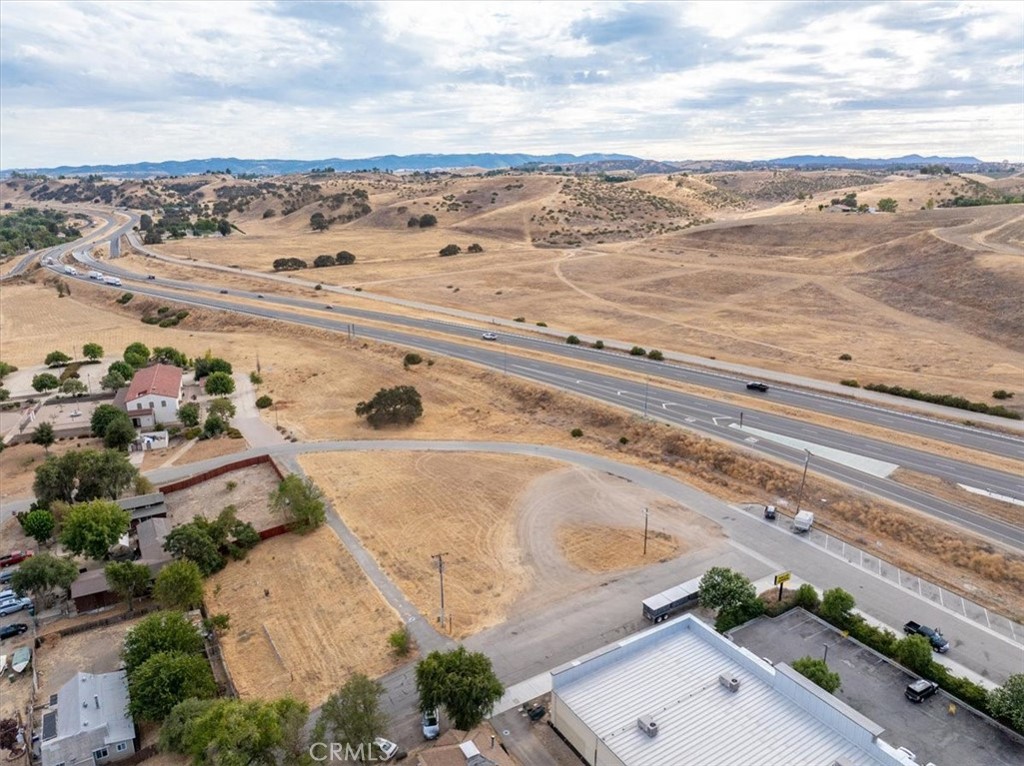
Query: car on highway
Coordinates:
[259,295]
[12,630]
[329,307]
[920,690]
[14,557]
[489,336]
[756,385]
[431,724]
[12,605]
[223,292]
[151,276]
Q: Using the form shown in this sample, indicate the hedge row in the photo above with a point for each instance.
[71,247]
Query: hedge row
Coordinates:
[947,400]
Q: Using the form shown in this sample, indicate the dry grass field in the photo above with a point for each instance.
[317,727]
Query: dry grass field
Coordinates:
[321,621]
[598,549]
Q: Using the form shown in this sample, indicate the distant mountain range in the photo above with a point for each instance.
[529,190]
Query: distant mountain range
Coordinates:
[485,161]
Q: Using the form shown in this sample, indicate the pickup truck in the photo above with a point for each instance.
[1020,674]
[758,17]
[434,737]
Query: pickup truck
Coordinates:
[934,636]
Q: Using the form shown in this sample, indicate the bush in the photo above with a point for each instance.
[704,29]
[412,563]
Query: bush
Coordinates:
[542,324]
[125,297]
[474,248]
[572,340]
[412,359]
[837,606]
[946,400]
[656,355]
[426,220]
[849,382]
[1001,394]
[807,597]
[623,440]
[576,433]
[399,641]
[233,433]
[637,351]
[845,358]
[519,319]
[817,671]
[263,402]
[598,344]
[255,378]
[450,250]
[192,433]
[344,258]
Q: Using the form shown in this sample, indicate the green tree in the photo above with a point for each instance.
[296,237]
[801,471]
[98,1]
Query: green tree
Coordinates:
[105,473]
[817,671]
[92,351]
[223,227]
[5,394]
[398,405]
[57,478]
[427,220]
[125,370]
[300,501]
[45,381]
[40,574]
[887,205]
[56,359]
[43,436]
[319,222]
[353,714]
[189,414]
[1007,702]
[73,386]
[322,261]
[207,365]
[89,529]
[169,355]
[102,417]
[6,369]
[222,408]
[461,682]
[127,580]
[837,607]
[915,653]
[807,597]
[219,384]
[119,434]
[136,355]
[214,426]
[160,632]
[723,588]
[112,381]
[449,250]
[179,585]
[145,222]
[344,258]
[192,542]
[164,680]
[39,525]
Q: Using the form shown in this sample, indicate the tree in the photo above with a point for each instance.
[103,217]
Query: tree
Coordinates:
[887,205]
[914,652]
[723,588]
[106,473]
[401,404]
[120,434]
[125,370]
[92,351]
[40,574]
[160,632]
[301,502]
[127,580]
[450,250]
[1007,701]
[6,369]
[219,384]
[112,381]
[145,222]
[134,352]
[89,529]
[817,671]
[5,394]
[179,586]
[153,237]
[39,525]
[475,248]
[43,436]
[214,426]
[102,417]
[208,365]
[319,222]
[288,264]
[189,414]
[223,227]
[344,258]
[73,386]
[45,381]
[222,408]
[56,359]
[322,261]
[353,714]
[461,682]
[837,606]
[164,680]
[427,220]
[169,355]
[190,541]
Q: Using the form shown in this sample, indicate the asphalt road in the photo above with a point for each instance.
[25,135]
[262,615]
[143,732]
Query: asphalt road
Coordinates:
[693,412]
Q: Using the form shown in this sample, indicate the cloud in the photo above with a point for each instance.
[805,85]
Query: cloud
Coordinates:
[130,81]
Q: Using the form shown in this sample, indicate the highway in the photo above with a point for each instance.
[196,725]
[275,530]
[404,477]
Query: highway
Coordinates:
[696,413]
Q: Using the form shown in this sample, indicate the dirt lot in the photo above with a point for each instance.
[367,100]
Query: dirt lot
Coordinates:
[596,548]
[249,495]
[91,651]
[322,621]
[498,524]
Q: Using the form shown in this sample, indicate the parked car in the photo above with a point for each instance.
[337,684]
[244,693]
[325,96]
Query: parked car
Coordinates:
[919,691]
[769,512]
[14,557]
[12,605]
[756,385]
[489,336]
[7,575]
[12,630]
[431,724]
[388,749]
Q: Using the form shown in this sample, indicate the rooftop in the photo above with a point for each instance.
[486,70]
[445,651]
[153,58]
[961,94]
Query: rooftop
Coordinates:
[89,702]
[158,379]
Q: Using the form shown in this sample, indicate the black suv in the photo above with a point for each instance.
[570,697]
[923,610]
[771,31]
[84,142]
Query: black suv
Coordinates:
[14,629]
[756,385]
[919,691]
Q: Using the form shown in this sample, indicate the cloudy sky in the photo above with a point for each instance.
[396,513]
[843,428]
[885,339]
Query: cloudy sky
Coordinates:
[115,82]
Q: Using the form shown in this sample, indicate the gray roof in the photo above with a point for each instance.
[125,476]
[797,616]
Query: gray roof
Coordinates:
[672,673]
[141,501]
[151,534]
[77,709]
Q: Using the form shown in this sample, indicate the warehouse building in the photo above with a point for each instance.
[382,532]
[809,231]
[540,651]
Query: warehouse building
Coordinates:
[681,694]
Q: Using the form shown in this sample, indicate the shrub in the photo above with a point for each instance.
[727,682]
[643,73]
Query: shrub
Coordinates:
[845,358]
[623,440]
[572,340]
[542,324]
[817,671]
[426,220]
[255,378]
[151,320]
[1001,394]
[598,344]
[576,433]
[319,287]
[399,641]
[412,359]
[125,298]
[163,310]
[849,382]
[233,433]
[637,351]
[807,597]
[519,319]
[450,250]
[947,400]
[263,402]
[656,355]
[474,248]
[344,258]
[836,606]
[192,433]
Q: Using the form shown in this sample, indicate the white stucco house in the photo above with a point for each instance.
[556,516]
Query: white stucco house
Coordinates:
[154,395]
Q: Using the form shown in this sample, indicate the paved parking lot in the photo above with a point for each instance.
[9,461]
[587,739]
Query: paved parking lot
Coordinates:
[938,730]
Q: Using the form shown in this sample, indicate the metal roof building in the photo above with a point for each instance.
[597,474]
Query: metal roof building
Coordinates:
[91,722]
[682,694]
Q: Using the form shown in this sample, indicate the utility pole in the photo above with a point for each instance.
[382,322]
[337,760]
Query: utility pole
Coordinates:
[440,571]
[645,531]
[803,480]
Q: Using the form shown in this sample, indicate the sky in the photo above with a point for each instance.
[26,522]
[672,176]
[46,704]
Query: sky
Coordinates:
[117,82]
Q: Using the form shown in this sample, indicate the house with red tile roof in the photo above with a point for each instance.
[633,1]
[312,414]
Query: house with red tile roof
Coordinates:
[154,395]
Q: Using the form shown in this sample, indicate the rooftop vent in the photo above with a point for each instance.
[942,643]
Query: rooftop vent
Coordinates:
[732,684]
[647,725]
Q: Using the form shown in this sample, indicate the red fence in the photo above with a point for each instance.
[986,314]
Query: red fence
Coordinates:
[213,473]
[280,529]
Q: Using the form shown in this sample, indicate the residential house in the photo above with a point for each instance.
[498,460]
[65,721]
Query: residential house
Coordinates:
[153,395]
[90,724]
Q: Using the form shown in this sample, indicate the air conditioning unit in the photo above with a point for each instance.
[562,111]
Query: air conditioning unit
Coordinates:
[732,684]
[647,725]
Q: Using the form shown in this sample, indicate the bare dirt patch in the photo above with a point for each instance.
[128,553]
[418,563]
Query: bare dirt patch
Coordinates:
[321,622]
[249,494]
[211,448]
[596,548]
[91,651]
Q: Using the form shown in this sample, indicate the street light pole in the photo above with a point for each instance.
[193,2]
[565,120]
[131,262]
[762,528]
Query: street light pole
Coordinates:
[645,531]
[803,480]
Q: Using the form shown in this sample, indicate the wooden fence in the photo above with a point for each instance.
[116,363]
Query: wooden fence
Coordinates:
[213,473]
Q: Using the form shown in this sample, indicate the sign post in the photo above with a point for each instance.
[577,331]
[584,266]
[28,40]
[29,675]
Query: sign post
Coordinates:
[780,580]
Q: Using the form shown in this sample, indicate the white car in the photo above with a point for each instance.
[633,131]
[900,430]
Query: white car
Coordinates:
[12,605]
[388,749]
[431,724]
[489,336]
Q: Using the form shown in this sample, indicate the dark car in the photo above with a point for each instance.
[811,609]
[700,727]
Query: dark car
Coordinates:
[223,292]
[919,691]
[329,307]
[756,385]
[151,276]
[259,295]
[769,512]
[14,629]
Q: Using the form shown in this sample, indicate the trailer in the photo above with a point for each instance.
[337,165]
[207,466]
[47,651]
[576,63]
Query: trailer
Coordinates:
[803,521]
[116,281]
[665,604]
